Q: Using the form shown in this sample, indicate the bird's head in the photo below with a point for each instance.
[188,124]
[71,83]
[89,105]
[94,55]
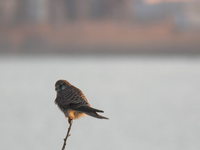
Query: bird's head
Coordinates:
[61,85]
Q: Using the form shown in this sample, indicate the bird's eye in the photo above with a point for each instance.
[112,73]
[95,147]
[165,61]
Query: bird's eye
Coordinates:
[62,87]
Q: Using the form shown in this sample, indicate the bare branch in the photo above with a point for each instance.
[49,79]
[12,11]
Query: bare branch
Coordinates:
[68,134]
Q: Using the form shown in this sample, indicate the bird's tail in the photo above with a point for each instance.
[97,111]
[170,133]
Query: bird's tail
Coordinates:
[91,111]
[94,114]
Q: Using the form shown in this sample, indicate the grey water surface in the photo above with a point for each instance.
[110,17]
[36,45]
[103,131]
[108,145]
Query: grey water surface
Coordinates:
[153,103]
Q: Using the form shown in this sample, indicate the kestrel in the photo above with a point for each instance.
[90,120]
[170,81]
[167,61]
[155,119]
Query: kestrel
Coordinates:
[73,103]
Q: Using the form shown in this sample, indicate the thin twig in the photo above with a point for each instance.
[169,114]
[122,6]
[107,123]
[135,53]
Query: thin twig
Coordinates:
[68,134]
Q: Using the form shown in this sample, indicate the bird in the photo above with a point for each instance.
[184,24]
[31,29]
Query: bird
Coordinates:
[73,103]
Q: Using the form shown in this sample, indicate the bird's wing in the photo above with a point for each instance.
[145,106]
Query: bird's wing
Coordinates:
[76,100]
[74,96]
[84,108]
[89,111]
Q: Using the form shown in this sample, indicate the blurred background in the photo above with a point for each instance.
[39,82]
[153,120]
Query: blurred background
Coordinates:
[138,60]
[99,26]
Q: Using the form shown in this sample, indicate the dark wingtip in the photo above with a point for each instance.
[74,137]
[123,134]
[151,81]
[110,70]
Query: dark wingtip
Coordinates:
[100,111]
[97,110]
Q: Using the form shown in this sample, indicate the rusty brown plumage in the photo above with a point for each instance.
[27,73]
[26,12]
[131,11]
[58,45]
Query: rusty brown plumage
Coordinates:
[73,103]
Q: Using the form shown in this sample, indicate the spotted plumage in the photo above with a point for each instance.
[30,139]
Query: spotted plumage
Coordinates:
[72,102]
